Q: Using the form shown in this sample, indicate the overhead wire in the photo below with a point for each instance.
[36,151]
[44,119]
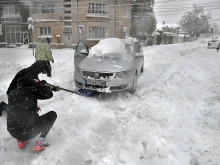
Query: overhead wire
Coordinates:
[163,10]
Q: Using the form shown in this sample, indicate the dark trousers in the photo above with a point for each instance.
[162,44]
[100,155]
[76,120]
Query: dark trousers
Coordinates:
[42,125]
[48,68]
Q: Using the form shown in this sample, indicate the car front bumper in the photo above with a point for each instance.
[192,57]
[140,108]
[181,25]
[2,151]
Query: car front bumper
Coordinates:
[106,85]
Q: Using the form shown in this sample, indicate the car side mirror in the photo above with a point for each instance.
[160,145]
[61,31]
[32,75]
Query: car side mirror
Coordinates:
[139,55]
[84,51]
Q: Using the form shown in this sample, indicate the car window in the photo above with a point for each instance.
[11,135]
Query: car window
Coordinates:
[137,48]
[82,48]
[129,50]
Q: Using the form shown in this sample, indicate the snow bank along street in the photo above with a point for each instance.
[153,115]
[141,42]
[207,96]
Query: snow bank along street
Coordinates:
[172,119]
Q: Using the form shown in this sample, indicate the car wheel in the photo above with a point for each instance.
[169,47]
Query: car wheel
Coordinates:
[134,86]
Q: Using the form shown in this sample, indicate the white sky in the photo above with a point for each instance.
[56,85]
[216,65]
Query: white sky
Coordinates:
[172,10]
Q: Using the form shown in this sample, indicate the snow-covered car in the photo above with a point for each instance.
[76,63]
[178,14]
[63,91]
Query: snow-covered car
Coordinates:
[213,44]
[111,65]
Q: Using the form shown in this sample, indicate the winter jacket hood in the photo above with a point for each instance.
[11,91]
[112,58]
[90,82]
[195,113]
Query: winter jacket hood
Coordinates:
[37,68]
[30,73]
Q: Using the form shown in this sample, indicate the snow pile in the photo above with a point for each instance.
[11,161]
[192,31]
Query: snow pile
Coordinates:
[160,25]
[172,119]
[107,46]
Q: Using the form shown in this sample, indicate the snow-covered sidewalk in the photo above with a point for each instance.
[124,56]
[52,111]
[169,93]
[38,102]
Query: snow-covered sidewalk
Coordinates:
[172,119]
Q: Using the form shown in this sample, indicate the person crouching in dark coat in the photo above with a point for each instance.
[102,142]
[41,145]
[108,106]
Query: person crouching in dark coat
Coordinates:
[23,120]
[29,73]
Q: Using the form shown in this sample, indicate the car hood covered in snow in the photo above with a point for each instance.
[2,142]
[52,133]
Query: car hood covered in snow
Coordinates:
[106,64]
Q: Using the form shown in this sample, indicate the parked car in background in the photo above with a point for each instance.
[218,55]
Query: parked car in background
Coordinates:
[111,65]
[213,44]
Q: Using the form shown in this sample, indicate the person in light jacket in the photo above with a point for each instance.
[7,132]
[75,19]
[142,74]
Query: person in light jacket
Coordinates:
[44,55]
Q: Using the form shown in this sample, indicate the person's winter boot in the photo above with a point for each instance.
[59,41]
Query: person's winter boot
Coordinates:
[22,143]
[40,144]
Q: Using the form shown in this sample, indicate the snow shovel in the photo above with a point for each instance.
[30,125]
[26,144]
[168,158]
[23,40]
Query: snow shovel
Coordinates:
[82,92]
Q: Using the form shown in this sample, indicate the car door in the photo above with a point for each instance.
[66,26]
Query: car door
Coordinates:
[81,53]
[139,56]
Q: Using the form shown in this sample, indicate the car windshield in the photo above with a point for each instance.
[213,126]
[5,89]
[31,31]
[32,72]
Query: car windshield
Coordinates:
[111,47]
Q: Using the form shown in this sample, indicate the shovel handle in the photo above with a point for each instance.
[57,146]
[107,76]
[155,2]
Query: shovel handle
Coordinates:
[67,90]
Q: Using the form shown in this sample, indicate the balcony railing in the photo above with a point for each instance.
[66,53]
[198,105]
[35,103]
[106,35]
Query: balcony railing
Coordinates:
[100,15]
[13,19]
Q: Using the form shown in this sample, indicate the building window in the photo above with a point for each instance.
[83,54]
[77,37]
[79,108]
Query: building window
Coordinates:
[67,17]
[66,23]
[97,32]
[13,34]
[9,10]
[36,8]
[39,8]
[1,29]
[128,12]
[48,8]
[98,8]
[67,29]
[45,31]
[67,12]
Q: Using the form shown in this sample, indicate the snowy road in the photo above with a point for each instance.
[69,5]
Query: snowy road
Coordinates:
[172,119]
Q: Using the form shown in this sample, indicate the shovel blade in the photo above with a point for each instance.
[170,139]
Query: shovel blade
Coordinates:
[87,93]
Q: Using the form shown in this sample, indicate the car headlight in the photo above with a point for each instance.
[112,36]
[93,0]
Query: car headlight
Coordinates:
[77,71]
[122,74]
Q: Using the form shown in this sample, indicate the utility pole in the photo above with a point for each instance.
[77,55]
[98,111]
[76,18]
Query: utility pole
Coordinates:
[77,17]
[115,19]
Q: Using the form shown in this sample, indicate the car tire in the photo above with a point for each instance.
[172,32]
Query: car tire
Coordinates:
[134,86]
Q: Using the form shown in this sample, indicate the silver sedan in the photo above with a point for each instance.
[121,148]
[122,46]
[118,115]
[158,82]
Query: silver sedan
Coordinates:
[111,65]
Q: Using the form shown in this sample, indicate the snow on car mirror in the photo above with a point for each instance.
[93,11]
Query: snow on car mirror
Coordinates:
[84,51]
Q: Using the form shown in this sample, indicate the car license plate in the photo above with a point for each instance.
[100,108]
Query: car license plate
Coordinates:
[95,82]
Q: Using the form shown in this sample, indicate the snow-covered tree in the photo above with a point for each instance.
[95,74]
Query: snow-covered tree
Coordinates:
[216,28]
[196,22]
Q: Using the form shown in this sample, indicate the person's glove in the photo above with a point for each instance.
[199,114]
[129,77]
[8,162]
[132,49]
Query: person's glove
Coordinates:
[38,109]
[43,82]
[55,89]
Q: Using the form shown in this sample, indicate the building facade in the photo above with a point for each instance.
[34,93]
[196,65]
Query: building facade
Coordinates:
[13,23]
[68,21]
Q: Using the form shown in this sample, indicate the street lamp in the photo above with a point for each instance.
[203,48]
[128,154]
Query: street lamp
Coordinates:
[31,28]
